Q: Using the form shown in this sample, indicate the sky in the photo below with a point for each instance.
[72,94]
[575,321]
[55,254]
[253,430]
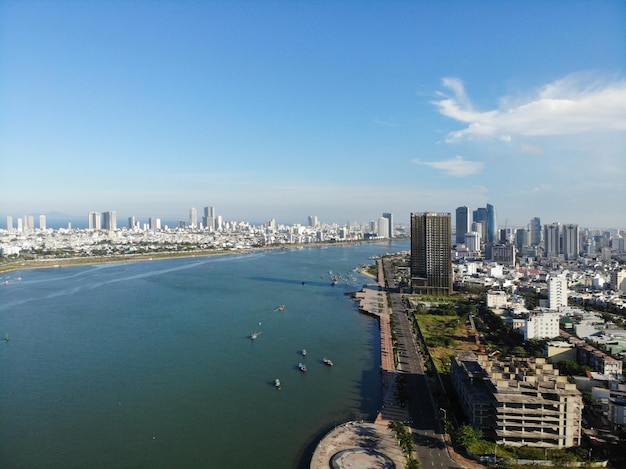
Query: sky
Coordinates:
[339,109]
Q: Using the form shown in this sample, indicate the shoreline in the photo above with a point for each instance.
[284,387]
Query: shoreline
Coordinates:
[59,262]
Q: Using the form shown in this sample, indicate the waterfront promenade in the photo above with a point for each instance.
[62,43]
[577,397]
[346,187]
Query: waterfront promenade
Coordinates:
[366,444]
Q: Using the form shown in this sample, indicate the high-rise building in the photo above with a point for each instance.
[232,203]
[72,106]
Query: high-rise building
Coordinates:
[472,241]
[431,253]
[208,220]
[462,223]
[557,292]
[9,223]
[109,220]
[571,243]
[535,231]
[42,222]
[551,240]
[193,218]
[94,222]
[492,224]
[389,218]
[521,237]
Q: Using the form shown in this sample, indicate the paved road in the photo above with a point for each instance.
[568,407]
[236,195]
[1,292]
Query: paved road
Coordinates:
[426,424]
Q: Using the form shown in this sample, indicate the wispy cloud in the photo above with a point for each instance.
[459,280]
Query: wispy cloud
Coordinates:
[572,105]
[386,123]
[457,167]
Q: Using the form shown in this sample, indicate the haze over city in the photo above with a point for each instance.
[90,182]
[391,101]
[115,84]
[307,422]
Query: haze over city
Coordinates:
[343,110]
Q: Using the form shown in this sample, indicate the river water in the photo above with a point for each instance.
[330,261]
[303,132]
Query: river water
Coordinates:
[150,364]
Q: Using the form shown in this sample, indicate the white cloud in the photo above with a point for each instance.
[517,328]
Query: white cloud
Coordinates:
[457,167]
[572,105]
[532,149]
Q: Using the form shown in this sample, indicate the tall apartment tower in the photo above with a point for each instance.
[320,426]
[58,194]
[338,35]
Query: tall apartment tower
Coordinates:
[42,222]
[193,218]
[535,231]
[109,220]
[389,218]
[94,221]
[557,292]
[9,223]
[431,253]
[462,223]
[551,240]
[208,220]
[571,243]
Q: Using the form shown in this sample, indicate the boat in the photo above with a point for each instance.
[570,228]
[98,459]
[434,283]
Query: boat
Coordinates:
[280,308]
[304,352]
[328,361]
[254,335]
[7,338]
[302,366]
[277,383]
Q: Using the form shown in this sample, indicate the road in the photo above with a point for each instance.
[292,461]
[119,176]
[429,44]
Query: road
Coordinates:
[426,423]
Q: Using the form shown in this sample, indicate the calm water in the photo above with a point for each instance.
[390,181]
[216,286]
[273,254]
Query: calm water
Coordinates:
[150,364]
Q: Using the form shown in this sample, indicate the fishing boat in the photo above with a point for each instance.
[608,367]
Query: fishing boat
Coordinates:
[304,352]
[277,383]
[280,308]
[302,366]
[328,361]
[254,335]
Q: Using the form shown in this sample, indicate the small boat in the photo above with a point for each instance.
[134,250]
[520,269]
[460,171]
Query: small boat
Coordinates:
[304,352]
[254,335]
[280,308]
[302,366]
[328,361]
[277,383]
[7,338]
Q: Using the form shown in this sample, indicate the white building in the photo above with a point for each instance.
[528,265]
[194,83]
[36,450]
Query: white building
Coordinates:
[557,292]
[541,326]
[618,280]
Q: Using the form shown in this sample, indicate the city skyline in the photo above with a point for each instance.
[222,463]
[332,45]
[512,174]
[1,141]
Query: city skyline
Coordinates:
[285,110]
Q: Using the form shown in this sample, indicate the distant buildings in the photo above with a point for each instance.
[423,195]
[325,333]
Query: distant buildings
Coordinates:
[389,220]
[462,224]
[535,231]
[431,253]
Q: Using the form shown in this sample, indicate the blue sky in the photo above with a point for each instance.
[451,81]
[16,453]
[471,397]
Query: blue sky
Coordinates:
[339,109]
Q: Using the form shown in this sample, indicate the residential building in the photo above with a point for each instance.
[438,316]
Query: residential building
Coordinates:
[42,222]
[571,243]
[94,221]
[431,253]
[543,325]
[193,217]
[535,231]
[557,292]
[109,220]
[618,280]
[389,218]
[551,240]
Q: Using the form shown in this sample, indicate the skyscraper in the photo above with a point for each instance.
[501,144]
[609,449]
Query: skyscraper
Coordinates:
[492,225]
[208,220]
[551,240]
[109,220]
[431,253]
[94,222]
[571,245]
[535,231]
[462,224]
[389,218]
[193,218]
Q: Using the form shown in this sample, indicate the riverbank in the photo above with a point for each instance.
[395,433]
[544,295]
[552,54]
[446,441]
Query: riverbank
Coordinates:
[89,260]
